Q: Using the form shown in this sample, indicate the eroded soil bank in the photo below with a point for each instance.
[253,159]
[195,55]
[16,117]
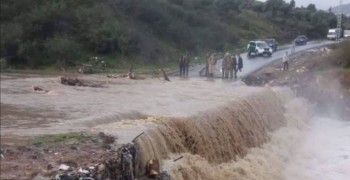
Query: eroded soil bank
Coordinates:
[315,74]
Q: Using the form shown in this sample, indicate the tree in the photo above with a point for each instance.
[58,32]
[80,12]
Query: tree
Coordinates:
[11,37]
[292,4]
[62,50]
[274,6]
[311,7]
[258,6]
[178,2]
[225,6]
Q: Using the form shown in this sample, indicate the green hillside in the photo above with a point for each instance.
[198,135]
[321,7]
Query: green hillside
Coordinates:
[41,33]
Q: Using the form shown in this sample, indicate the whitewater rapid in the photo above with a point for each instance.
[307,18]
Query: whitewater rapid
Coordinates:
[317,150]
[324,152]
[308,147]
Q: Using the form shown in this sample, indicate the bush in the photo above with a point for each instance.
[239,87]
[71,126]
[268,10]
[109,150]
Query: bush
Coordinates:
[226,6]
[62,50]
[29,53]
[102,33]
[11,36]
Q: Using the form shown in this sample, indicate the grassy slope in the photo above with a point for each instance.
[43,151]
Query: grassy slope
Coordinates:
[255,26]
[158,46]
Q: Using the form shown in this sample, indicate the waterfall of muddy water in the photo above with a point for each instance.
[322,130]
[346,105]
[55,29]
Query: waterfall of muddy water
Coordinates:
[229,142]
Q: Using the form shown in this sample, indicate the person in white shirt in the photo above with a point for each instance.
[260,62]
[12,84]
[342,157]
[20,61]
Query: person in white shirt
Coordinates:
[285,60]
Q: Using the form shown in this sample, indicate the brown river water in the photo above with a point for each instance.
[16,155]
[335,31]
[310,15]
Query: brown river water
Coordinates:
[223,129]
[66,108]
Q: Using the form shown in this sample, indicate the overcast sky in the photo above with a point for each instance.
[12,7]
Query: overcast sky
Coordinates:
[320,4]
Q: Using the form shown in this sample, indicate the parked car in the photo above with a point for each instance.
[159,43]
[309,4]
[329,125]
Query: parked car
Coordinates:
[301,40]
[346,33]
[272,43]
[259,48]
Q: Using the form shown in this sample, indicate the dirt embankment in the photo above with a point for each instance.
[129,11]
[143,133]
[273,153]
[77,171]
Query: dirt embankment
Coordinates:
[42,157]
[315,74]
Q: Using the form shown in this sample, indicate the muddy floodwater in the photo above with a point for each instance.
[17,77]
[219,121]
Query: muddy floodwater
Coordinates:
[222,129]
[67,108]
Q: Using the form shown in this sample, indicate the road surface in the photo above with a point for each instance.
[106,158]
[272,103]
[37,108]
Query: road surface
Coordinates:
[251,64]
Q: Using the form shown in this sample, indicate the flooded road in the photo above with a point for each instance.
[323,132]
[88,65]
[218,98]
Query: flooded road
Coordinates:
[251,64]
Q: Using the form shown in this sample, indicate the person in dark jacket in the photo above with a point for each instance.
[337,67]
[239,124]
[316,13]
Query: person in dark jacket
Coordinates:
[240,63]
[184,63]
[233,67]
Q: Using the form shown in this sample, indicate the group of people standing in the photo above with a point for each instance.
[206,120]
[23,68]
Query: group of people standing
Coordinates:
[231,64]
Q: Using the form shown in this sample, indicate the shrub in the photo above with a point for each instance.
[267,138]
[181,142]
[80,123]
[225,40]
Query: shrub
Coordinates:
[62,50]
[29,53]
[11,36]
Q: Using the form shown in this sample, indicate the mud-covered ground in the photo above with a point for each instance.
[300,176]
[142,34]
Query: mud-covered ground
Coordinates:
[314,74]
[41,157]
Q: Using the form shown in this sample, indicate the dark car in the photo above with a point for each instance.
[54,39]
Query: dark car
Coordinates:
[301,40]
[272,43]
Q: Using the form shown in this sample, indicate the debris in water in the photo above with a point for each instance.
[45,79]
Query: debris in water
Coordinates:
[77,82]
[39,89]
[164,176]
[131,74]
[164,74]
[117,76]
[71,81]
[49,166]
[152,168]
[106,139]
[64,167]
[83,171]
[137,137]
[178,158]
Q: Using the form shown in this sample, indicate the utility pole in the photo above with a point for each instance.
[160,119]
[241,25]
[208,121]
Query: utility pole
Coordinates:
[339,19]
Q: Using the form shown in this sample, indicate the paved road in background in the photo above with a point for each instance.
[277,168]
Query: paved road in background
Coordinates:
[251,64]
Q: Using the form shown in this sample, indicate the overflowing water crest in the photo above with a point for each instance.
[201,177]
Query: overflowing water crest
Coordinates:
[264,136]
[222,130]
[229,141]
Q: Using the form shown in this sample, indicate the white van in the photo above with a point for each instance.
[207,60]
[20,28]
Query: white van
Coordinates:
[333,34]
